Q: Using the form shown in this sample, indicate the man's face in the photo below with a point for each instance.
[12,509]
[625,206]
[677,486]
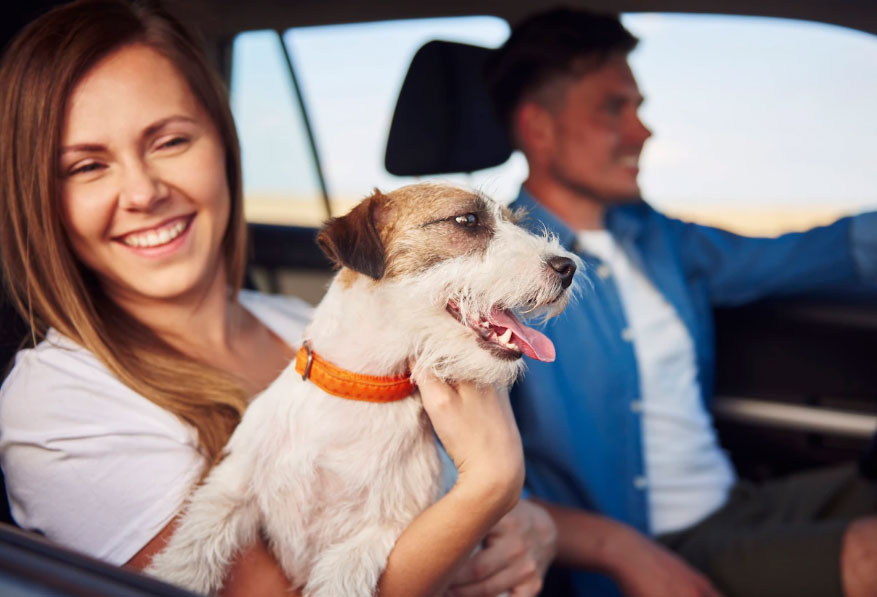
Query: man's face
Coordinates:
[596,134]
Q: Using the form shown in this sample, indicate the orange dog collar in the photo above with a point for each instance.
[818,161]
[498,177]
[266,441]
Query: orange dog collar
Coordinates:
[346,384]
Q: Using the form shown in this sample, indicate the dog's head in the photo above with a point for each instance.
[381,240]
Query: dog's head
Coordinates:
[444,276]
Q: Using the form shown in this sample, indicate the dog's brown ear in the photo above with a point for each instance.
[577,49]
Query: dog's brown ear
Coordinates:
[353,240]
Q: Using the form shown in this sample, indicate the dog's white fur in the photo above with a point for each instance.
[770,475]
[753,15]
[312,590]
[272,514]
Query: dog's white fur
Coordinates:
[330,482]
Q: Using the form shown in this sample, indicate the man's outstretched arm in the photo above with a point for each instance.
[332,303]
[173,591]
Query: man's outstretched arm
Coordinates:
[640,566]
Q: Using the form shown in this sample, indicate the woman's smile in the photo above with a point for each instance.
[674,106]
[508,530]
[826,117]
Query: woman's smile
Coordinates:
[160,240]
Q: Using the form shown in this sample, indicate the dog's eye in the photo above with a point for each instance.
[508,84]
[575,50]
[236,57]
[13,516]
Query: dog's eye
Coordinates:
[467,220]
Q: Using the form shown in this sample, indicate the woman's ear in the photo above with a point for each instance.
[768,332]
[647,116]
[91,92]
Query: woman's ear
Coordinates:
[353,240]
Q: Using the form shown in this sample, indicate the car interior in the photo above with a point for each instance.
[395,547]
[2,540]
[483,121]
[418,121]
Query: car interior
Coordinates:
[796,380]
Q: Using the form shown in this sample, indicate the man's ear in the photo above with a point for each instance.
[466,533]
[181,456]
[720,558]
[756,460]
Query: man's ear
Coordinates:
[534,125]
[353,240]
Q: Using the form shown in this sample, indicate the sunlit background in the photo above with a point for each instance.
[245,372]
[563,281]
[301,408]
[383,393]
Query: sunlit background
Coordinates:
[761,125]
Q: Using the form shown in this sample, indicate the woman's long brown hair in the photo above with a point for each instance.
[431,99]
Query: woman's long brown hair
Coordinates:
[45,281]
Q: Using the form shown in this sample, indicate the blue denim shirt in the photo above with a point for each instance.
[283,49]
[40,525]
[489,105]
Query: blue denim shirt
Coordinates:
[580,416]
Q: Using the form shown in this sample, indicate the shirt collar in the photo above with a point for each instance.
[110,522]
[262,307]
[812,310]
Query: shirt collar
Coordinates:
[627,221]
[622,221]
[538,218]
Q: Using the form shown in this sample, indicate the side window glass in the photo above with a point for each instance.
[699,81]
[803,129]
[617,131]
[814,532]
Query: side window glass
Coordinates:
[350,77]
[760,125]
[281,184]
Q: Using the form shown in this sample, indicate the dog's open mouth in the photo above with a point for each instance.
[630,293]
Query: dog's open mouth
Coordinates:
[502,333]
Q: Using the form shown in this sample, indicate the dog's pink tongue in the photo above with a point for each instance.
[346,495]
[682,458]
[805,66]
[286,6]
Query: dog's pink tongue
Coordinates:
[532,343]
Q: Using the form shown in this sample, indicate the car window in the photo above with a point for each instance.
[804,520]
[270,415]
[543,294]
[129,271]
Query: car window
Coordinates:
[349,76]
[760,125]
[280,173]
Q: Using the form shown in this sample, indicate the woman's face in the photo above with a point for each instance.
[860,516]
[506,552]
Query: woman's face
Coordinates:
[145,193]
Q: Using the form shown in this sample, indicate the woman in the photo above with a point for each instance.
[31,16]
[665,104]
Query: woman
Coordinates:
[123,244]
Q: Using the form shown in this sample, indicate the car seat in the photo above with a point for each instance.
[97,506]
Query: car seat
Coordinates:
[12,332]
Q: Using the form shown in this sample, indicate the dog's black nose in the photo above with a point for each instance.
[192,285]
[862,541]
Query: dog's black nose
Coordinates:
[565,268]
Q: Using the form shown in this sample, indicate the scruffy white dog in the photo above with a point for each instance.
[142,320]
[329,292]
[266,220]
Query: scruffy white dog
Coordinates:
[430,274]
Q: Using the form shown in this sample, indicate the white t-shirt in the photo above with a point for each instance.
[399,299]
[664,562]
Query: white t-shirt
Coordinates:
[688,474]
[90,463]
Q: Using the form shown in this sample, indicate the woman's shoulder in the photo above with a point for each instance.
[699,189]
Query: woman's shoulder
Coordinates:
[55,360]
[59,382]
[286,315]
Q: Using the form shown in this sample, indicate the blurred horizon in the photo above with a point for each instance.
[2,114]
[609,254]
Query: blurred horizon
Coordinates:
[747,220]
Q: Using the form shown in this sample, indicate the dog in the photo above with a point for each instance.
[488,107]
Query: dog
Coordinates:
[430,274]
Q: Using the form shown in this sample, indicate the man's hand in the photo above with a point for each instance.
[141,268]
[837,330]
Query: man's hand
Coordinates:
[514,558]
[646,569]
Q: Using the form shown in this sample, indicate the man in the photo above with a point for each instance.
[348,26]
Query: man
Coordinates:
[619,441]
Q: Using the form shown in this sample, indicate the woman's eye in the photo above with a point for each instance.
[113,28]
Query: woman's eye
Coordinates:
[174,142]
[85,168]
[467,220]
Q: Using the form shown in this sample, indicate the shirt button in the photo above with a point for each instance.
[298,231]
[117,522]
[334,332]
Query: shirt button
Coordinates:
[627,335]
[636,406]
[603,271]
[640,482]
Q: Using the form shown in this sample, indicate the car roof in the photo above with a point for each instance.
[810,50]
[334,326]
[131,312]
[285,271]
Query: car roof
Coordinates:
[221,19]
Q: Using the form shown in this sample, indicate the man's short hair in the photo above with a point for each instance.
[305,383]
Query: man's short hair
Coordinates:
[560,42]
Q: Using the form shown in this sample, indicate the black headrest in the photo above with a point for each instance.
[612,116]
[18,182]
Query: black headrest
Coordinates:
[444,120]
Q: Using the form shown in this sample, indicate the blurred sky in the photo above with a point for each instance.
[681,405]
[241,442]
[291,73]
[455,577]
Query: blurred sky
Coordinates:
[745,111]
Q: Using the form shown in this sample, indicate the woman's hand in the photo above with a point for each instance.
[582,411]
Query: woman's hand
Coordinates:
[477,429]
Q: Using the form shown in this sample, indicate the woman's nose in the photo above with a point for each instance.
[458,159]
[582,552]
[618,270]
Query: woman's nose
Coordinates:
[142,187]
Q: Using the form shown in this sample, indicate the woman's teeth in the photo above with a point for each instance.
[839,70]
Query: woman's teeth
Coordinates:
[156,238]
